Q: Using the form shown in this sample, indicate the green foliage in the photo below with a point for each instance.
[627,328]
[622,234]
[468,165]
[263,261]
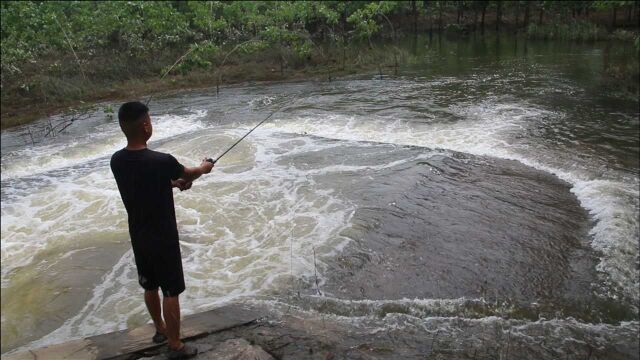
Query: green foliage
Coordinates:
[368,20]
[108,111]
[610,4]
[253,46]
[48,33]
[364,24]
[30,28]
[199,56]
[454,29]
[624,35]
[579,30]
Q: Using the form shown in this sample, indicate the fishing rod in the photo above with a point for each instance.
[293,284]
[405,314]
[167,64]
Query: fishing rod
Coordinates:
[213,161]
[180,59]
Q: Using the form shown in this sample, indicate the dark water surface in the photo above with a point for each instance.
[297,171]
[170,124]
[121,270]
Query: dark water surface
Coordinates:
[488,181]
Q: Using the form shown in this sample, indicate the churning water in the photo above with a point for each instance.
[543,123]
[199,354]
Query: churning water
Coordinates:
[506,174]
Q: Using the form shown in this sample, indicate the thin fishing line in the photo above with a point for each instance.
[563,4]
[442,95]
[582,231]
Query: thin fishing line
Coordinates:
[180,59]
[282,107]
[213,161]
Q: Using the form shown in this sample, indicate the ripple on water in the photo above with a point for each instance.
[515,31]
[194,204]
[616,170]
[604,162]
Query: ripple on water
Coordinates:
[325,172]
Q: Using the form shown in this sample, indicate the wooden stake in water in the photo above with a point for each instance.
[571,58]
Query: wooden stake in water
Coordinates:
[315,271]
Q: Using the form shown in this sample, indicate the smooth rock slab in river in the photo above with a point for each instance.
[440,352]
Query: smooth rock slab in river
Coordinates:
[438,224]
[236,349]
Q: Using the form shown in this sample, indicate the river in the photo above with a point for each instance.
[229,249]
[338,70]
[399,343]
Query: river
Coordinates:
[486,170]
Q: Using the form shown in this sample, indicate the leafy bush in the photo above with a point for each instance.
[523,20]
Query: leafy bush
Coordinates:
[577,30]
[455,29]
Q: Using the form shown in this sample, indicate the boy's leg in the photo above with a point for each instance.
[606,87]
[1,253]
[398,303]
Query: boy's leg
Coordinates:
[152,300]
[171,281]
[171,311]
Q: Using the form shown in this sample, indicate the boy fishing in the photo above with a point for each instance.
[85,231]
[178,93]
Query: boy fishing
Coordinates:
[145,180]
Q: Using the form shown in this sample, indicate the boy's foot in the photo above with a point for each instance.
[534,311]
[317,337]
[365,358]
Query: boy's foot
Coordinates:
[159,337]
[185,352]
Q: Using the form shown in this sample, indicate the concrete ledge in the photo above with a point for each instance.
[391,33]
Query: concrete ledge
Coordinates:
[131,341]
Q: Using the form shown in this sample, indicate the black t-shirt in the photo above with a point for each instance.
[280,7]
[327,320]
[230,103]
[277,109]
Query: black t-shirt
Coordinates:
[144,180]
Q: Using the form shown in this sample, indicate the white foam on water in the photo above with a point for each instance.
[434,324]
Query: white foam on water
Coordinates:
[238,225]
[105,309]
[449,326]
[245,229]
[56,215]
[454,322]
[101,142]
[478,309]
[261,101]
[239,243]
[490,129]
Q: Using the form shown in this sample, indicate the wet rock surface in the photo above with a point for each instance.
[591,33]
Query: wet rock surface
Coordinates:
[435,224]
[446,240]
[288,332]
[518,288]
[231,349]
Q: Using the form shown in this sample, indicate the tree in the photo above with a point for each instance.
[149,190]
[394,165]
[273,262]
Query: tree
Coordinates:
[483,6]
[498,14]
[613,7]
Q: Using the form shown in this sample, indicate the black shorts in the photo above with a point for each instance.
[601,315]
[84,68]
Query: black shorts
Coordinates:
[160,267]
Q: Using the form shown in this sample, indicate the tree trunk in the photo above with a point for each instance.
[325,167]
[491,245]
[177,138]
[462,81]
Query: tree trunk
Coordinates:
[540,16]
[414,7]
[629,12]
[517,14]
[614,11]
[427,11]
[526,15]
[343,28]
[605,57]
[475,20]
[430,26]
[281,65]
[498,15]
[484,10]
[440,17]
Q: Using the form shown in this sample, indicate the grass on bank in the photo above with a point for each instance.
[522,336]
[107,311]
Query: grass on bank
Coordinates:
[61,87]
[578,31]
[54,86]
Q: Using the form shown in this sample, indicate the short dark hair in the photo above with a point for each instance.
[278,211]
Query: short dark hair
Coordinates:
[131,111]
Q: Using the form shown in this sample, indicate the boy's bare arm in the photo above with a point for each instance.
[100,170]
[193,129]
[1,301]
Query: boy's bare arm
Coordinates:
[190,174]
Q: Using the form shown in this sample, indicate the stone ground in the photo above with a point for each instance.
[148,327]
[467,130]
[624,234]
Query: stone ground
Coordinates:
[289,332]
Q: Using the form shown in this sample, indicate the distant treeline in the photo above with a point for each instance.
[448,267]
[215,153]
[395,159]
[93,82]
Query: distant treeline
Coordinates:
[45,44]
[32,29]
